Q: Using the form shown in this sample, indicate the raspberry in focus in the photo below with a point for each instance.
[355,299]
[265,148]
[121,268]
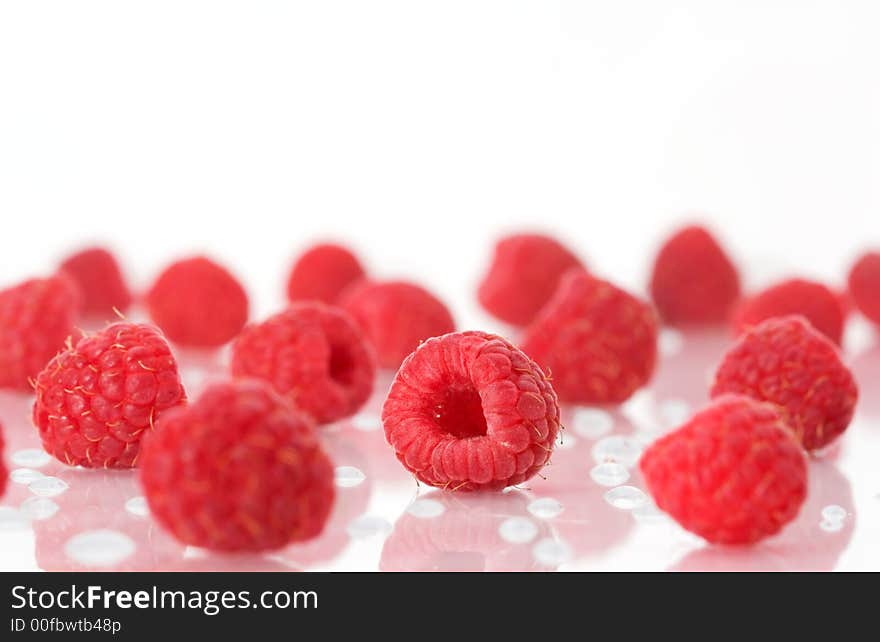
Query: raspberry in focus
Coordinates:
[97,399]
[396,316]
[36,318]
[523,275]
[312,354]
[816,302]
[733,474]
[322,272]
[470,411]
[786,362]
[598,343]
[238,470]
[100,282]
[864,285]
[198,303]
[693,280]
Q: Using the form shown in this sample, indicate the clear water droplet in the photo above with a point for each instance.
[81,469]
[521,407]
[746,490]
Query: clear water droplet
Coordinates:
[834,513]
[648,513]
[31,458]
[545,508]
[48,486]
[367,526]
[38,508]
[626,497]
[102,547]
[674,412]
[831,526]
[426,508]
[137,506]
[670,342]
[565,440]
[609,473]
[367,423]
[348,476]
[12,519]
[518,530]
[552,552]
[617,448]
[24,475]
[592,423]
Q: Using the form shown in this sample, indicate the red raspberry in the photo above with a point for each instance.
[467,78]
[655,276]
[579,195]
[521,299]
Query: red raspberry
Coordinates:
[469,411]
[3,472]
[312,354]
[198,303]
[95,400]
[100,281]
[396,317]
[817,303]
[864,285]
[693,281]
[786,362]
[36,318]
[238,470]
[733,474]
[598,342]
[322,273]
[523,275]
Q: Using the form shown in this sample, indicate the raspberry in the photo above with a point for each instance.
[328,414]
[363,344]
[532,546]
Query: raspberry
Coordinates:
[523,275]
[786,362]
[470,411]
[312,354]
[693,281]
[598,342]
[237,470]
[36,317]
[733,474]
[3,472]
[95,400]
[100,281]
[322,273]
[198,303]
[817,303]
[864,285]
[396,316]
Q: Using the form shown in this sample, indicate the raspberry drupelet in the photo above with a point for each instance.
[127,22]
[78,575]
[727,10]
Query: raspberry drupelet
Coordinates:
[100,282]
[470,411]
[322,272]
[238,470]
[97,399]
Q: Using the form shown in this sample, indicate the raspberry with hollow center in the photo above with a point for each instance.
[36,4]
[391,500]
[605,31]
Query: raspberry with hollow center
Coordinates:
[100,281]
[523,275]
[733,474]
[864,285]
[788,363]
[97,399]
[36,318]
[237,470]
[322,272]
[470,411]
[198,303]
[312,354]
[598,342]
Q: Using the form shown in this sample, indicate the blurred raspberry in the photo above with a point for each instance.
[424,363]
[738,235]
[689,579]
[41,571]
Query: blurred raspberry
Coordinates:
[237,470]
[733,474]
[787,362]
[396,316]
[100,281]
[312,354]
[36,318]
[469,411]
[598,343]
[864,285]
[322,273]
[96,400]
[198,303]
[523,275]
[3,472]
[817,303]
[693,280]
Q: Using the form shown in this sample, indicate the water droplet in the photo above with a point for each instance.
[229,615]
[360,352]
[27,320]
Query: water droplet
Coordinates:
[38,508]
[609,474]
[616,448]
[367,526]
[48,486]
[626,497]
[99,548]
[592,423]
[24,475]
[518,530]
[670,342]
[367,423]
[648,513]
[834,513]
[551,552]
[545,508]
[426,508]
[348,476]
[565,441]
[31,458]
[137,506]
[11,519]
[674,412]
[830,526]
